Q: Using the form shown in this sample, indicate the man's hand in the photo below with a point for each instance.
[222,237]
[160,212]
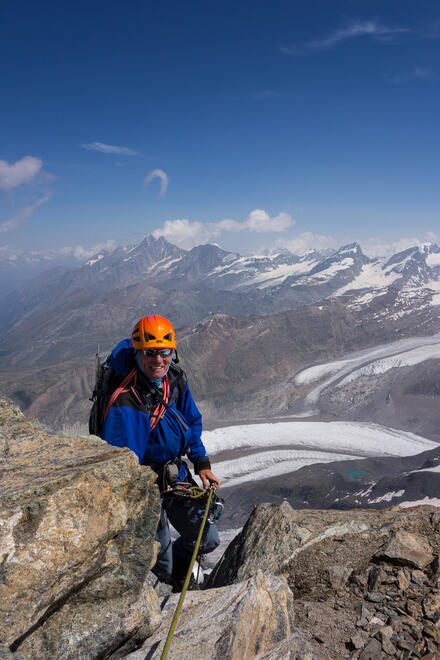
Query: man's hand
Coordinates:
[209,479]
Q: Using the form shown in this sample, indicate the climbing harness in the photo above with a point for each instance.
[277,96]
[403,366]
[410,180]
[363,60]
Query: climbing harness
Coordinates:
[208,494]
[194,492]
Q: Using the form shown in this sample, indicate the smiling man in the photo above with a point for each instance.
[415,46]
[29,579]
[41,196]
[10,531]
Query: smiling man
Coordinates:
[152,412]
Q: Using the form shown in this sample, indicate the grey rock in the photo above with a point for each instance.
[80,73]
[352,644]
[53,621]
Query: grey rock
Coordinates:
[406,646]
[419,577]
[374,597]
[384,635]
[294,647]
[374,578]
[432,631]
[77,528]
[431,605]
[339,576]
[268,538]
[403,580]
[237,622]
[358,640]
[388,646]
[406,548]
[363,611]
[385,632]
[396,623]
[372,651]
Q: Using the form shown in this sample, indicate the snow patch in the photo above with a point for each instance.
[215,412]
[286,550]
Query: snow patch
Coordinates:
[372,276]
[427,501]
[90,262]
[387,497]
[430,469]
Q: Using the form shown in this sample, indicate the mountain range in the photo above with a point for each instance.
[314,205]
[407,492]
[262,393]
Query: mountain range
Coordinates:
[247,325]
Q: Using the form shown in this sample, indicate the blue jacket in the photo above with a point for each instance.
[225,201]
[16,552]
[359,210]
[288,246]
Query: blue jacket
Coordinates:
[128,421]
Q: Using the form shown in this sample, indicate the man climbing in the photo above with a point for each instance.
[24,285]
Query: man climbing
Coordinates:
[152,412]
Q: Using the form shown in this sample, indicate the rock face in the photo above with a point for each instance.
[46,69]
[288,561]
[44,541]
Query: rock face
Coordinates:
[77,526]
[238,623]
[366,583]
[269,537]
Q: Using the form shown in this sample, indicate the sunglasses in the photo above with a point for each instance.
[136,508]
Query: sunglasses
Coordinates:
[152,352]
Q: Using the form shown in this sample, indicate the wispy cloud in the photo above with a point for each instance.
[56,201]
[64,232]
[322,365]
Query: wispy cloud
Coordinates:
[82,253]
[23,215]
[79,252]
[187,234]
[353,30]
[377,247]
[418,73]
[110,149]
[307,240]
[22,171]
[159,174]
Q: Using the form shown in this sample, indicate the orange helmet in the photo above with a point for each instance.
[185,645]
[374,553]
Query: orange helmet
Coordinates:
[153,332]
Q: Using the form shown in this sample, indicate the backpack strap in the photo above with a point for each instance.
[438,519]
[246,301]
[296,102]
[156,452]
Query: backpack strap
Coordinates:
[122,388]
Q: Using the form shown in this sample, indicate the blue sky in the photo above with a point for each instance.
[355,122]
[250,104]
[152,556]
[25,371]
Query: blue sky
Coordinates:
[249,124]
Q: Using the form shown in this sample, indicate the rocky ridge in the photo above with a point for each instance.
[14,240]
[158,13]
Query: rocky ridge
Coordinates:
[77,522]
[366,584]
[77,527]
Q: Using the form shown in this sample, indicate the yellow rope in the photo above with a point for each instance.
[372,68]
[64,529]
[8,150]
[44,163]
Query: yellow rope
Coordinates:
[172,629]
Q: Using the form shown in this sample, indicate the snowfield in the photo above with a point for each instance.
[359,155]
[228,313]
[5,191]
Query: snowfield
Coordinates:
[400,353]
[307,442]
[270,464]
[406,359]
[319,371]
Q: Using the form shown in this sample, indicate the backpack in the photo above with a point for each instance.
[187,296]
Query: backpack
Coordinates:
[107,380]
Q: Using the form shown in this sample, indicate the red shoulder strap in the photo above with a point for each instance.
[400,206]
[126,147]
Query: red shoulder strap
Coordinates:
[122,388]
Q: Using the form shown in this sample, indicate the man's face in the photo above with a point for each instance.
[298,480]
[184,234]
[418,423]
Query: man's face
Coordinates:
[154,364]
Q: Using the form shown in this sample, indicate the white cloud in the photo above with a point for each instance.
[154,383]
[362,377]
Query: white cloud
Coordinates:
[81,253]
[22,171]
[260,221]
[187,234]
[351,31]
[377,247]
[20,219]
[163,180]
[110,149]
[307,240]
